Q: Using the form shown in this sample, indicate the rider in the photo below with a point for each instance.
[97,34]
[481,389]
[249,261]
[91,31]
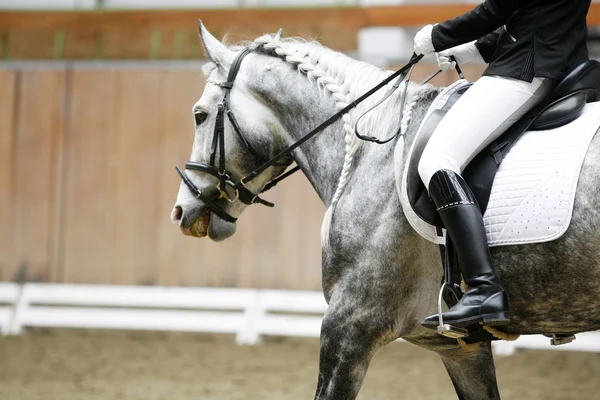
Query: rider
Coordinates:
[529,46]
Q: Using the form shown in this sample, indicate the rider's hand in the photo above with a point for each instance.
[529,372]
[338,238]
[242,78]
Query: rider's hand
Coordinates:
[445,63]
[465,53]
[423,42]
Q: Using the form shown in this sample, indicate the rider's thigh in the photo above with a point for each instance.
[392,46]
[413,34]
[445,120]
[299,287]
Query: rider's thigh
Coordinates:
[482,114]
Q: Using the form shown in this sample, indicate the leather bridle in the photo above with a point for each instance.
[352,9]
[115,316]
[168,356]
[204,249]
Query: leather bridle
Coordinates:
[228,190]
[232,191]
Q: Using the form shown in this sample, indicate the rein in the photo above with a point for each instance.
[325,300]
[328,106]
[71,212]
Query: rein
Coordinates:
[404,78]
[232,191]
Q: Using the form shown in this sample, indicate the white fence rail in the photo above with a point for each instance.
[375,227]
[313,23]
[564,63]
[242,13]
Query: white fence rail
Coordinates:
[248,313]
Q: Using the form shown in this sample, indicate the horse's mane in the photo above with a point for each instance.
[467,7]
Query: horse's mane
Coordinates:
[345,79]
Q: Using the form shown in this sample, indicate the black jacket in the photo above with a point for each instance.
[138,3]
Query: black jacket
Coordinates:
[522,39]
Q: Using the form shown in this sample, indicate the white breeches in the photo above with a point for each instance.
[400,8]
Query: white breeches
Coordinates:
[482,114]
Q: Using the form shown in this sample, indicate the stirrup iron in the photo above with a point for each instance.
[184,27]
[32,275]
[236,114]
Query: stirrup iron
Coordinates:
[447,330]
[558,339]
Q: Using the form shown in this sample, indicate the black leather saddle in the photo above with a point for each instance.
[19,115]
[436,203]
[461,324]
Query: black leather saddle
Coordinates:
[562,106]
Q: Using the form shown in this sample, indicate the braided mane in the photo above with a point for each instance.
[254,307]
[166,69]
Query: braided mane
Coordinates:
[345,79]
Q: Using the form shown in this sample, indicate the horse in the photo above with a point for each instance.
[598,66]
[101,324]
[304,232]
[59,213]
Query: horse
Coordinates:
[379,277]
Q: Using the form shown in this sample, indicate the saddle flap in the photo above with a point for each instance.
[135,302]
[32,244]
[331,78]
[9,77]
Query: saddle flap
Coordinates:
[416,191]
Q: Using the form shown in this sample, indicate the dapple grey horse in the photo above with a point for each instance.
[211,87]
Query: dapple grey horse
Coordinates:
[380,278]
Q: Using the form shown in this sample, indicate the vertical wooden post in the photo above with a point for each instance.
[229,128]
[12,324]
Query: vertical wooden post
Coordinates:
[155,44]
[59,44]
[5,44]
[178,44]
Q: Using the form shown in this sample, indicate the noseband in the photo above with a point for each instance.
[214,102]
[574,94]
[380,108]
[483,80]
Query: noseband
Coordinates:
[232,191]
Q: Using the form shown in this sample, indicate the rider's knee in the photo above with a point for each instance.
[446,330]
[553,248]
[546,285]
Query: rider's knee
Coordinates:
[433,161]
[425,170]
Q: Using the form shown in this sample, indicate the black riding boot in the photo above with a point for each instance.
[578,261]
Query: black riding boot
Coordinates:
[484,300]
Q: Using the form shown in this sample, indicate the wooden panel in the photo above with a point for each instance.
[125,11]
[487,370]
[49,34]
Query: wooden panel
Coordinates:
[98,211]
[135,188]
[313,211]
[8,90]
[280,247]
[36,44]
[257,257]
[173,33]
[89,215]
[56,195]
[179,90]
[84,42]
[38,139]
[472,72]
[290,245]
[414,14]
[137,47]
[406,15]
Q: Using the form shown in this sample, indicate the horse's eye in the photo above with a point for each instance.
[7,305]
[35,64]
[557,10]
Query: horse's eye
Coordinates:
[200,117]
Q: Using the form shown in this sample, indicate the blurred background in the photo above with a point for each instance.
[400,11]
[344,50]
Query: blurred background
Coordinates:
[95,112]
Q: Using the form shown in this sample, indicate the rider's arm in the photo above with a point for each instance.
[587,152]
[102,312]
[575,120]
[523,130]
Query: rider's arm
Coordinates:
[475,24]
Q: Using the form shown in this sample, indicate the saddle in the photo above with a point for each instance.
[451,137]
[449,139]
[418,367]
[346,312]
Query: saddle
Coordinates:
[562,106]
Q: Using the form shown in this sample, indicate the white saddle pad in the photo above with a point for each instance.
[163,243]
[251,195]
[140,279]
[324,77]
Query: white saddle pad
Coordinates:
[534,190]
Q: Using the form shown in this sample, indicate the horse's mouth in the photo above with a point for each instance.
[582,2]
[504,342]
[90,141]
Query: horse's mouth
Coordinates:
[200,221]
[199,229]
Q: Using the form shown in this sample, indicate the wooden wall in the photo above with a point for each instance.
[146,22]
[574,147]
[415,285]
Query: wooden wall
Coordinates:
[169,34]
[87,183]
[87,156]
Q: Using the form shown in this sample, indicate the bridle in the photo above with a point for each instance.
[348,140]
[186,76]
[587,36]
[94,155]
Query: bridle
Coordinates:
[230,190]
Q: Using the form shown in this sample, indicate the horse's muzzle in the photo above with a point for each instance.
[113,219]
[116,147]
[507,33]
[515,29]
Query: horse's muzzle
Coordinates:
[192,221]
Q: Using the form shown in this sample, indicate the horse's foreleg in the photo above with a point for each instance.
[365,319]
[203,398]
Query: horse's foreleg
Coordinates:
[472,373]
[348,343]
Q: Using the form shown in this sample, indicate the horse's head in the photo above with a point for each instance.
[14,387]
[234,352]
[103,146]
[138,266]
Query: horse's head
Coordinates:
[208,202]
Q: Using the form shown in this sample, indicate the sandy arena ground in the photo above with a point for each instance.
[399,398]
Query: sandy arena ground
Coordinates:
[100,365]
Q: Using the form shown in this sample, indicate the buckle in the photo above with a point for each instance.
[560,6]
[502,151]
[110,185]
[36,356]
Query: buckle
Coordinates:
[229,192]
[242,182]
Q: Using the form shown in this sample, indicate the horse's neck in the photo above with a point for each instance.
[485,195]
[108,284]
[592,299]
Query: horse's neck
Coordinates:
[301,105]
[321,157]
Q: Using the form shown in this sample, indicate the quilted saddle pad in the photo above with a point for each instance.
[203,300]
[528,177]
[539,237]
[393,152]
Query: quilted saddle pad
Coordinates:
[534,190]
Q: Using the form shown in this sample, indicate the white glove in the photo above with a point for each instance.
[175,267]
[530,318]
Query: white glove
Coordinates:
[464,54]
[423,42]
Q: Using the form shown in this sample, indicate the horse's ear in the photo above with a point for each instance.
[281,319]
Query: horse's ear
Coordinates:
[216,51]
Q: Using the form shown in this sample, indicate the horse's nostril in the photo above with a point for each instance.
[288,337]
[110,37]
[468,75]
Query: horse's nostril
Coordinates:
[177,215]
